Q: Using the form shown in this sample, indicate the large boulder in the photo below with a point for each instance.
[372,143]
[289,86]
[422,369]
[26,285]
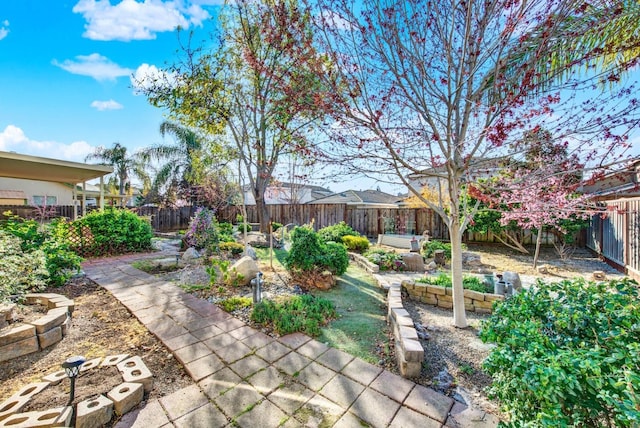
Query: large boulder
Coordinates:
[255,239]
[190,255]
[471,259]
[243,271]
[413,262]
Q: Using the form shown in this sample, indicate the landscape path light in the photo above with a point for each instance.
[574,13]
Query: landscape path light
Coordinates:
[72,368]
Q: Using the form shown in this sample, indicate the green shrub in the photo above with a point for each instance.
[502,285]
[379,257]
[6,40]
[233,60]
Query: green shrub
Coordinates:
[244,227]
[234,248]
[469,282]
[567,354]
[356,243]
[225,228]
[429,247]
[309,254]
[115,231]
[335,232]
[275,225]
[235,302]
[20,272]
[304,313]
[386,260]
[53,239]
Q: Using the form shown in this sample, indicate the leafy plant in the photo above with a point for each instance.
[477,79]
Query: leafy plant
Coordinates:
[244,227]
[386,260]
[567,354]
[305,313]
[222,271]
[275,225]
[234,248]
[235,302]
[309,254]
[430,247]
[203,231]
[356,243]
[20,271]
[334,233]
[469,282]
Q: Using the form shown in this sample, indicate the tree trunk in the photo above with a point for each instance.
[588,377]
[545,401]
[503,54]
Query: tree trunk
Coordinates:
[263,214]
[459,312]
[537,252]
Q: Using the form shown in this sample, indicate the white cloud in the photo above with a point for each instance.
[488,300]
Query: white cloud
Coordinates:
[94,65]
[106,105]
[14,139]
[147,76]
[133,20]
[4,31]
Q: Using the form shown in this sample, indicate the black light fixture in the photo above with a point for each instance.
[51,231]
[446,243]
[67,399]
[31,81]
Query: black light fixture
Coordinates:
[72,368]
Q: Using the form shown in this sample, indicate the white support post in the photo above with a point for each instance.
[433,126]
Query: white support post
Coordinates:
[102,193]
[84,198]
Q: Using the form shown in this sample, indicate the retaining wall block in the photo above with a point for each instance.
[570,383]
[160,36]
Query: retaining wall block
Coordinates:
[493,297]
[16,334]
[55,377]
[94,412]
[12,405]
[475,295]
[18,349]
[440,291]
[88,365]
[445,298]
[113,360]
[126,396]
[429,299]
[49,321]
[134,370]
[445,305]
[50,337]
[58,417]
[413,350]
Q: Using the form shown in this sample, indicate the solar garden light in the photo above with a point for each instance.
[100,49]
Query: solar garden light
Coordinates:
[177,258]
[72,368]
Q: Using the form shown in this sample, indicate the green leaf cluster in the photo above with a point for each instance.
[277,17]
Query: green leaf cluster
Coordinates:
[52,239]
[20,271]
[113,231]
[336,232]
[386,260]
[469,282]
[356,243]
[568,354]
[309,253]
[305,313]
[430,247]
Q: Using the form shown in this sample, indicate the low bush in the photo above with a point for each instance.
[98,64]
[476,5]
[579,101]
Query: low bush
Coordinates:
[244,227]
[113,231]
[309,254]
[235,302]
[275,226]
[469,282]
[356,243]
[567,354]
[386,260]
[335,232]
[429,247]
[305,313]
[234,248]
[20,272]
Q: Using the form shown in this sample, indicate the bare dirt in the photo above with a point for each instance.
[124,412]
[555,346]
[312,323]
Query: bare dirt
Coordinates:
[101,326]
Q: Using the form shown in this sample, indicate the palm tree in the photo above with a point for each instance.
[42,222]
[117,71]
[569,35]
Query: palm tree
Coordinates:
[183,163]
[124,165]
[602,36]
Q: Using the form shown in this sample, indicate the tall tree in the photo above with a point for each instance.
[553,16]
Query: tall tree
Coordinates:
[124,164]
[426,89]
[249,88]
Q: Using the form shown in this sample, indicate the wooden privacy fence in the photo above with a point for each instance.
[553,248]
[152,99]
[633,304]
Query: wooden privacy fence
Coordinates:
[28,211]
[616,236]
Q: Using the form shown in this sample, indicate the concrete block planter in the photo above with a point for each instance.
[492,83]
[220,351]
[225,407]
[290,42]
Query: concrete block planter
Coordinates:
[39,334]
[439,296]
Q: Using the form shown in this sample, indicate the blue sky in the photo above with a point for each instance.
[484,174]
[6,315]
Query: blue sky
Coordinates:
[66,66]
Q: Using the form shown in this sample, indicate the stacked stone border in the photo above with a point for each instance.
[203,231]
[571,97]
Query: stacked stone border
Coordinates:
[474,301]
[34,336]
[92,412]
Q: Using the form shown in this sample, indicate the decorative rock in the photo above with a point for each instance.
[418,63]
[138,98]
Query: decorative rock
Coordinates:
[254,239]
[58,417]
[244,270]
[88,365]
[599,275]
[134,370]
[439,257]
[18,349]
[6,311]
[251,252]
[126,396]
[471,259]
[190,255]
[514,279]
[94,412]
[50,337]
[432,266]
[324,281]
[113,360]
[413,261]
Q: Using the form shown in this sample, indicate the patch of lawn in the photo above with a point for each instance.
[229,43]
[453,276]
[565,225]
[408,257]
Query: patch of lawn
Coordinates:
[278,256]
[153,267]
[361,327]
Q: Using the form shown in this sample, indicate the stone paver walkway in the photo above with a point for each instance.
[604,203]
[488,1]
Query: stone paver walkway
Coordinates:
[246,378]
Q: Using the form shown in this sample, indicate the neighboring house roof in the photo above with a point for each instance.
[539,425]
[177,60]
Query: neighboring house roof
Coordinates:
[624,182]
[15,165]
[360,197]
[12,194]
